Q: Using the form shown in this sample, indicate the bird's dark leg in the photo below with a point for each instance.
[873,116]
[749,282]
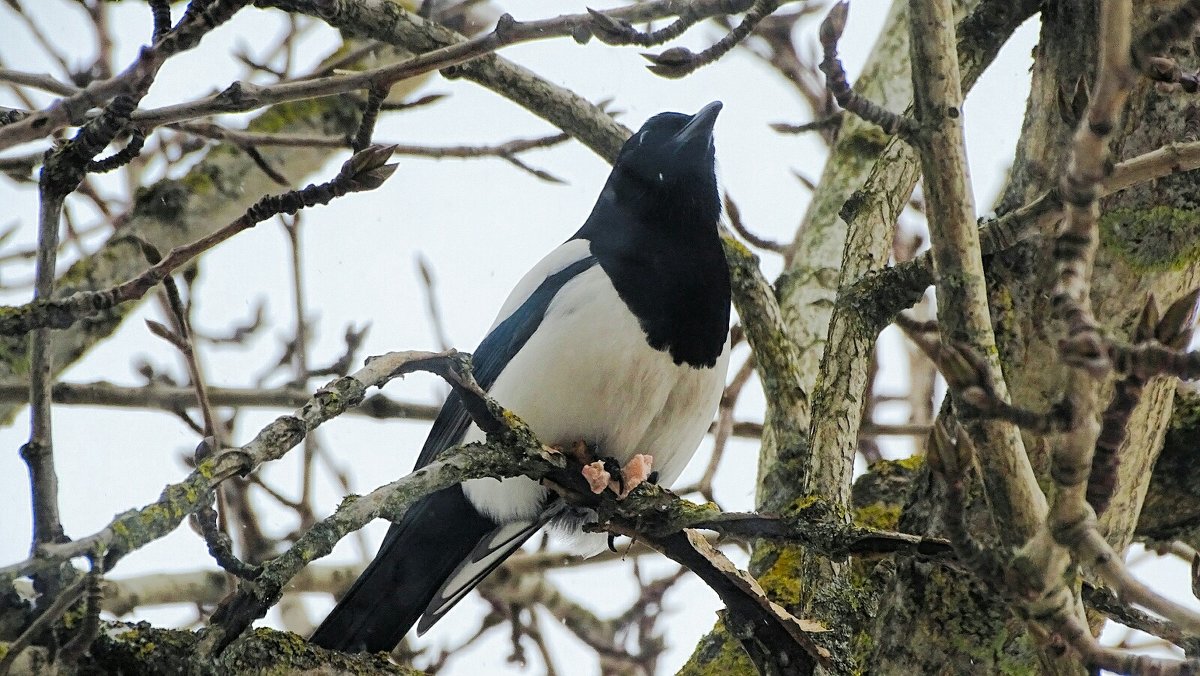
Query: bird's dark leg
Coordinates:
[613,467]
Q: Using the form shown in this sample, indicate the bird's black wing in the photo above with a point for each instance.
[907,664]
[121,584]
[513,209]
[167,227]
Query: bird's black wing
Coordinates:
[436,534]
[417,567]
[492,355]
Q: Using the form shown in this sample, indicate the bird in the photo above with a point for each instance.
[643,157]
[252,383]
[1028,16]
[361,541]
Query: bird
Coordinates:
[619,338]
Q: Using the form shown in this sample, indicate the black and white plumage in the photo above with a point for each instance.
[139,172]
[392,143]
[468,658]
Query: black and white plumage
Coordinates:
[619,337]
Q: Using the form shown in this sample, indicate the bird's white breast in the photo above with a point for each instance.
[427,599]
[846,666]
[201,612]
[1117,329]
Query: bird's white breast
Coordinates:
[588,374]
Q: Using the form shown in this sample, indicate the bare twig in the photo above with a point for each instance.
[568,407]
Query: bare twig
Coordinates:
[770,635]
[824,124]
[1172,158]
[169,398]
[213,528]
[1104,601]
[238,333]
[950,458]
[835,79]
[38,452]
[241,96]
[137,139]
[614,31]
[43,40]
[365,171]
[678,62]
[386,21]
[38,81]
[432,306]
[248,138]
[1071,521]
[1090,546]
[967,375]
[186,347]
[1050,607]
[1018,226]
[521,454]
[90,624]
[1076,243]
[160,10]
[220,545]
[354,339]
[133,529]
[777,34]
[133,81]
[299,301]
[1150,359]
[517,453]
[366,126]
[1175,331]
[735,222]
[265,165]
[61,174]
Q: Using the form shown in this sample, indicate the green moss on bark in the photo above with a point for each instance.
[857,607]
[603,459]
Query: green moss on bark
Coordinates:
[1152,239]
[142,649]
[718,654]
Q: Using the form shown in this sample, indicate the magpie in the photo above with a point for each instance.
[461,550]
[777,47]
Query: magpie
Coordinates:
[619,338]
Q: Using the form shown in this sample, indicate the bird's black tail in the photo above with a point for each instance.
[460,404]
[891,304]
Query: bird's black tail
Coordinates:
[414,561]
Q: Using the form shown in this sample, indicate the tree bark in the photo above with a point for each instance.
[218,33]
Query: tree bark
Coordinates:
[933,619]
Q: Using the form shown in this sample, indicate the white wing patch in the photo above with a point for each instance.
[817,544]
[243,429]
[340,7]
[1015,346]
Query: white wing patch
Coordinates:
[489,553]
[566,254]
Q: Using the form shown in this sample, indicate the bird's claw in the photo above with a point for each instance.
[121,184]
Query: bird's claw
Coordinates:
[608,473]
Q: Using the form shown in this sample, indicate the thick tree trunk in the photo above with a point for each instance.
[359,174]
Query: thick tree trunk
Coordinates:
[933,619]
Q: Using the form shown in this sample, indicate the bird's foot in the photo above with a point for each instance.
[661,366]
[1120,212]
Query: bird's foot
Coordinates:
[597,476]
[608,473]
[637,471]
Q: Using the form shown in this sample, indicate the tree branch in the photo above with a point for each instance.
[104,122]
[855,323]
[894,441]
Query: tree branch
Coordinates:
[388,22]
[136,78]
[136,528]
[364,171]
[882,294]
[963,314]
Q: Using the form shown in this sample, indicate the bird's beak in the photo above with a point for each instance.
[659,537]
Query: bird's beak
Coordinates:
[700,128]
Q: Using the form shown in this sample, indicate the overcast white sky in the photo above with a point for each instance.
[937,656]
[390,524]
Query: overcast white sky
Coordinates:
[481,224]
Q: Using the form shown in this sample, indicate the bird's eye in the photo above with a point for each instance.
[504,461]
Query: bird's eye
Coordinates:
[641,137]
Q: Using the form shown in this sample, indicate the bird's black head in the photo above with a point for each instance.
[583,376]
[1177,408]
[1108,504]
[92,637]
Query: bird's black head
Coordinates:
[668,167]
[654,233]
